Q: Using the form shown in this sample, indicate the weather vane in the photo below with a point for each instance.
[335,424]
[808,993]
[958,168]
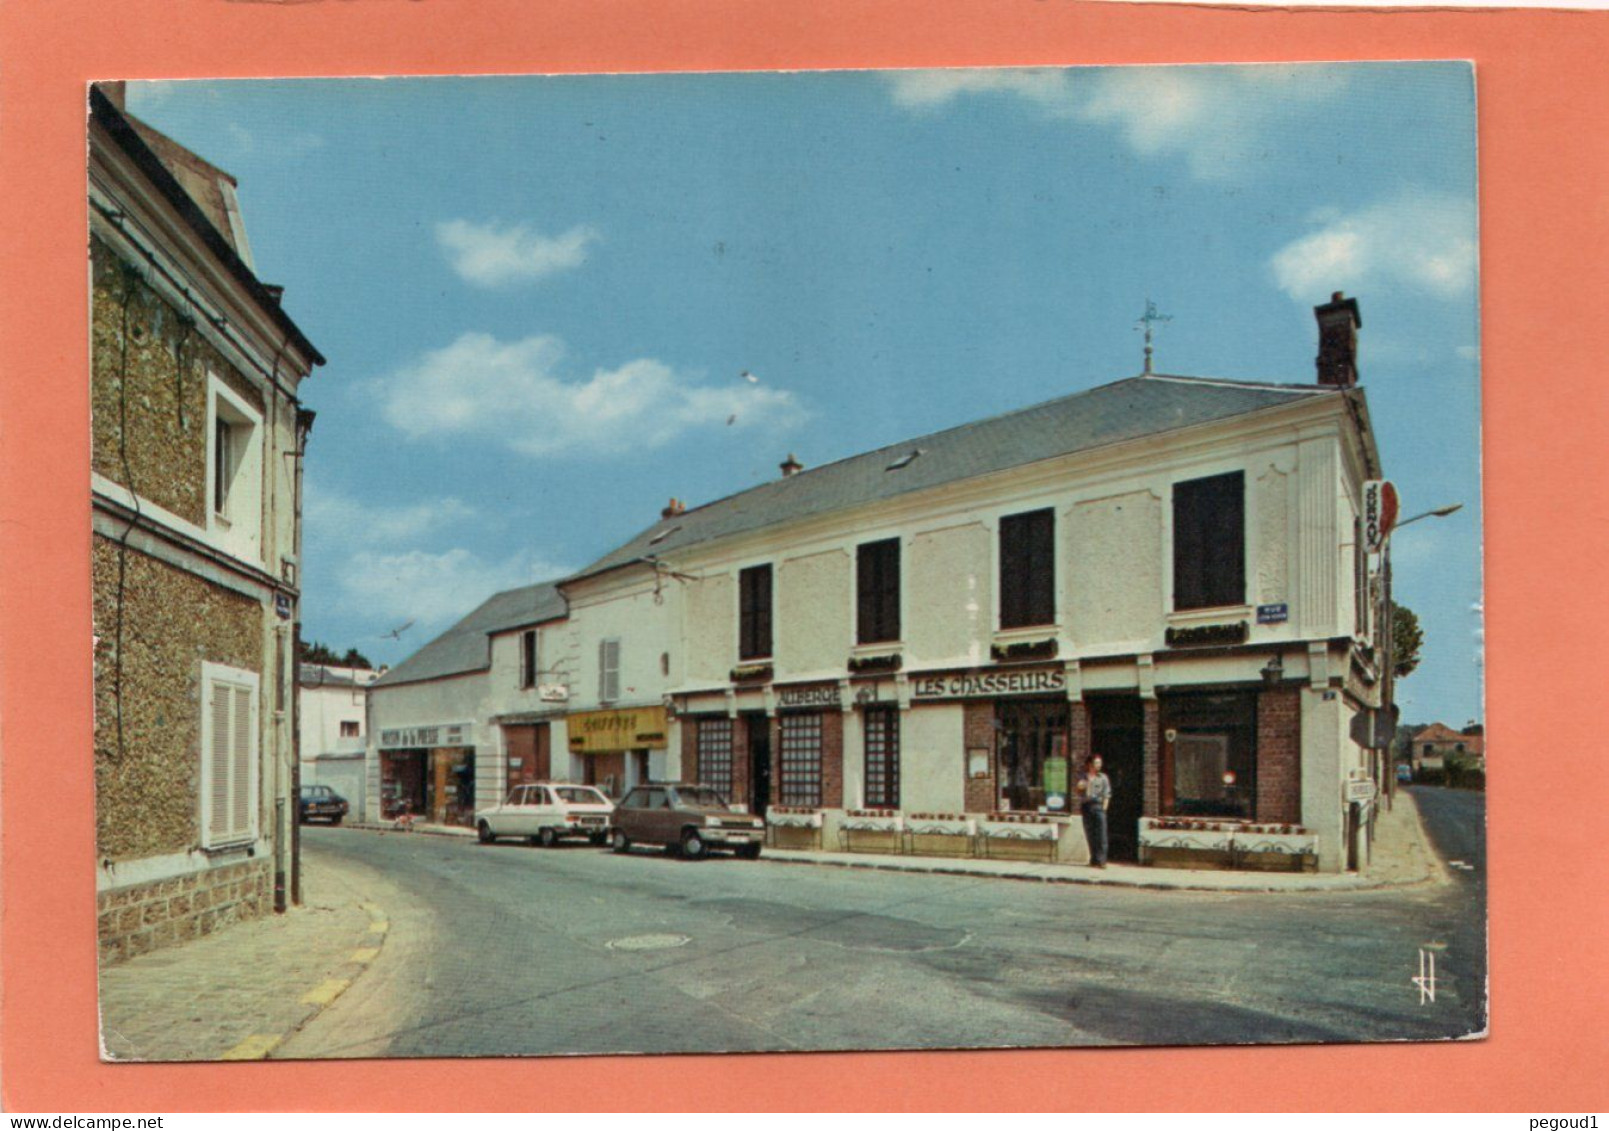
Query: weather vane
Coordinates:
[1146,320]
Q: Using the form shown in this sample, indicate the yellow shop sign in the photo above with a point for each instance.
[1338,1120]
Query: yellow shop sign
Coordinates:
[594,731]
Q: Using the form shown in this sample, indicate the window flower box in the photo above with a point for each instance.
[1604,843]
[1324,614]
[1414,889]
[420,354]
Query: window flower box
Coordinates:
[941,834]
[1183,842]
[1276,848]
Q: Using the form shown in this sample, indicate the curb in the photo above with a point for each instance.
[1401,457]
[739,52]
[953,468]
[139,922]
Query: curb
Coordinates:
[421,830]
[261,1046]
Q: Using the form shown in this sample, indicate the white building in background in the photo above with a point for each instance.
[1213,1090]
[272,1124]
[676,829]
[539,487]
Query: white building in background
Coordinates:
[333,726]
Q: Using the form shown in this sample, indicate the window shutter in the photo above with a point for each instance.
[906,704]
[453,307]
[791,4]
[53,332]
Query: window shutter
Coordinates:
[754,613]
[240,778]
[218,765]
[608,670]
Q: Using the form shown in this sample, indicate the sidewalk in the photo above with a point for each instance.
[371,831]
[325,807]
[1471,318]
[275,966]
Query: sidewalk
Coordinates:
[236,994]
[1402,857]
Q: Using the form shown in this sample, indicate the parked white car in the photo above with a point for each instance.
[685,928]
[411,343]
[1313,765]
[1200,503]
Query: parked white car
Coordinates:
[546,812]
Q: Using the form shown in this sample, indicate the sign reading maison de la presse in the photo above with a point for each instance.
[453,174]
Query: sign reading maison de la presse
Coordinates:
[438,734]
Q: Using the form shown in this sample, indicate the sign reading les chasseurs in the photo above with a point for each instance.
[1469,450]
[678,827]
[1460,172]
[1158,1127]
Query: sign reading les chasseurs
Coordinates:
[974,685]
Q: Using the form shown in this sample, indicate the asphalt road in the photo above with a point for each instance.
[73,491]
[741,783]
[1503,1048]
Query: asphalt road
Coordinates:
[515,950]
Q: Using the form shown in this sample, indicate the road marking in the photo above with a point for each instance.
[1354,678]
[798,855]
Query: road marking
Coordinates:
[366,954]
[379,927]
[1426,981]
[325,992]
[254,1047]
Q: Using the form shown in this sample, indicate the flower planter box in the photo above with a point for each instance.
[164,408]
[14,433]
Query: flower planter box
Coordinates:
[1190,843]
[789,826]
[872,830]
[940,834]
[1017,836]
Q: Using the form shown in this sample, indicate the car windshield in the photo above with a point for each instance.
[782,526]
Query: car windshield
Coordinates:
[581,795]
[698,798]
[316,791]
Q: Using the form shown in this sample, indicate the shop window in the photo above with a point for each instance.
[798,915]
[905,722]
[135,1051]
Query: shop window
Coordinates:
[801,760]
[528,658]
[1210,765]
[1028,569]
[350,728]
[754,613]
[229,762]
[877,592]
[715,755]
[608,671]
[1032,740]
[882,757]
[1209,542]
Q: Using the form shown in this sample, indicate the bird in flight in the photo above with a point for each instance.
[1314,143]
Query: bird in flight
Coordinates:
[396,633]
[749,377]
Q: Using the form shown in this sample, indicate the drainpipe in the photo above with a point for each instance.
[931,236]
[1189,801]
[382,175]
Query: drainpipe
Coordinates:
[304,428]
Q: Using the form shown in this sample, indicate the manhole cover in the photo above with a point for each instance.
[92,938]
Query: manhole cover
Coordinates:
[648,942]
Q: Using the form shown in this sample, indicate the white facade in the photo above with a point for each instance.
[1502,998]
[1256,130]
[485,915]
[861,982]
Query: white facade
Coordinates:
[333,728]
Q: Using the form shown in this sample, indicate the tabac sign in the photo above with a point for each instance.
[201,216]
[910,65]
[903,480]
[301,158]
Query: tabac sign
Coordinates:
[1379,513]
[973,685]
[636,728]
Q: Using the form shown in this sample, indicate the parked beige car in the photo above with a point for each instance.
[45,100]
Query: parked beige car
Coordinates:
[547,812]
[687,819]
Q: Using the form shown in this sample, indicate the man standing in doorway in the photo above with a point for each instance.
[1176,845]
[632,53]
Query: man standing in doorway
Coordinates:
[1095,793]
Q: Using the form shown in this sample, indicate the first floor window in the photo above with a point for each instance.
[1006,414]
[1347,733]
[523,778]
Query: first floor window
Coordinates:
[608,670]
[715,755]
[1032,737]
[1209,541]
[349,728]
[1028,569]
[754,613]
[882,758]
[801,760]
[528,658]
[228,756]
[1210,767]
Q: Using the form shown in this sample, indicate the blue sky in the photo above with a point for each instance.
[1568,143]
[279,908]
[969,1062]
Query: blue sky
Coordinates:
[539,294]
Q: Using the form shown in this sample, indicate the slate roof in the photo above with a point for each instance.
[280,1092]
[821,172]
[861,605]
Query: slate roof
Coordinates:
[325,675]
[466,646]
[1108,414]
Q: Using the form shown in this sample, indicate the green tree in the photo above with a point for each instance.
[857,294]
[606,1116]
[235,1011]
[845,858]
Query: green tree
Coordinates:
[355,659]
[314,652]
[1407,639]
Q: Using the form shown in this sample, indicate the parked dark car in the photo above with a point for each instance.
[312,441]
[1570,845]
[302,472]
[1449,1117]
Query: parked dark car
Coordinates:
[687,819]
[320,803]
[1405,773]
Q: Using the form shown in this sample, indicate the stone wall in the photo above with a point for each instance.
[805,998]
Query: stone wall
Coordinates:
[147,788]
[149,383]
[978,732]
[145,917]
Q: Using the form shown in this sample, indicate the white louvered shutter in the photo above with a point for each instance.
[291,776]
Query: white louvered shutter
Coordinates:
[241,769]
[218,810]
[609,670]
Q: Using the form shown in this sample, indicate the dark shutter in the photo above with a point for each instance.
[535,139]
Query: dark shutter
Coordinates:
[1209,542]
[877,592]
[1028,569]
[754,613]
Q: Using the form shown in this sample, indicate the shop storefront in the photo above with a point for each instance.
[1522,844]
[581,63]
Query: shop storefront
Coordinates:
[617,748]
[429,772]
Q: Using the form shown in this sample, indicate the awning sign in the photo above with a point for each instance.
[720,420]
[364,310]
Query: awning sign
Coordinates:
[1379,513]
[593,732]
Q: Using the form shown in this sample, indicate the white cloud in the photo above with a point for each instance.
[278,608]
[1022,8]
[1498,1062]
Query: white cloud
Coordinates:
[1217,117]
[488,255]
[333,518]
[512,393]
[432,588]
[1419,241]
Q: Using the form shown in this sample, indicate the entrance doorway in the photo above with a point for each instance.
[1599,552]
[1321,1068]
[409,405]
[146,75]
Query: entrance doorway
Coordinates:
[759,729]
[1117,734]
[607,771]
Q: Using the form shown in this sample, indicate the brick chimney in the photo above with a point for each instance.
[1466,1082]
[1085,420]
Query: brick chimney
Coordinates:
[791,466]
[673,508]
[1338,325]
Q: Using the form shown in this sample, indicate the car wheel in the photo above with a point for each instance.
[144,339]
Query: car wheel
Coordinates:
[547,838]
[622,843]
[484,831]
[335,821]
[749,851]
[693,845]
